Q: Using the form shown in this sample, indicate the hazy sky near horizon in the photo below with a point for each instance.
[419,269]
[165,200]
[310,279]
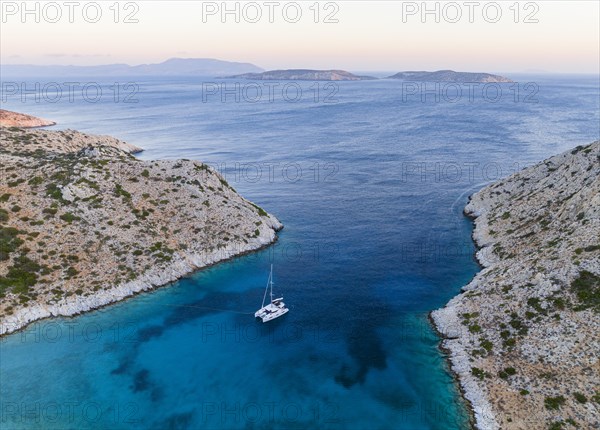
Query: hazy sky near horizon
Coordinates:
[369,35]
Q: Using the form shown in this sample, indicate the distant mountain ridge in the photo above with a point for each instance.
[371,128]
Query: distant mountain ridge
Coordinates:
[172,67]
[449,76]
[303,75]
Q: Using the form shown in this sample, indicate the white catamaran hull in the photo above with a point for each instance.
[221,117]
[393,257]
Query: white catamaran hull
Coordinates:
[271,311]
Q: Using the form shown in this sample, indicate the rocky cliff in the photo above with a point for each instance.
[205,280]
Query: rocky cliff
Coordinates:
[524,336]
[84,223]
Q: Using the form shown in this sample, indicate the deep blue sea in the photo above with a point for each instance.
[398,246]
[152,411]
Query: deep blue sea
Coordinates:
[369,181]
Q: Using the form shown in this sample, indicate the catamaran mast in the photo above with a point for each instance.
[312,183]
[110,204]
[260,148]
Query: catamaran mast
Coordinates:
[267,289]
[271,278]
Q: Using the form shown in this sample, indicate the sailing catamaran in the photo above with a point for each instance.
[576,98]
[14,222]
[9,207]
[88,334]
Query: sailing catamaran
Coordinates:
[274,309]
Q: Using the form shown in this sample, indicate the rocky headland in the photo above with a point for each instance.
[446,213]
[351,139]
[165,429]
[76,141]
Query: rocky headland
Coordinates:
[15,119]
[85,224]
[523,337]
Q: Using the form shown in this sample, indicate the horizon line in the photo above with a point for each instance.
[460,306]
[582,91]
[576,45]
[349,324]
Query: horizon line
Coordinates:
[353,70]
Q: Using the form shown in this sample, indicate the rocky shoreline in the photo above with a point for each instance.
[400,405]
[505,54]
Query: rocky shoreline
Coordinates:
[186,265]
[447,324]
[85,224]
[523,337]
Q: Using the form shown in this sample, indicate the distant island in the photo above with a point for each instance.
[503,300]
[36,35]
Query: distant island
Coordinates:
[15,119]
[450,76]
[84,224]
[208,67]
[303,75]
[524,336]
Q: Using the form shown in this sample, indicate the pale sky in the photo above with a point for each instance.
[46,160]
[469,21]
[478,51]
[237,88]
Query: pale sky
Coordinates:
[369,35]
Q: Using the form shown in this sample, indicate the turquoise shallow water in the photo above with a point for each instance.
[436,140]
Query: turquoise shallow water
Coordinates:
[370,189]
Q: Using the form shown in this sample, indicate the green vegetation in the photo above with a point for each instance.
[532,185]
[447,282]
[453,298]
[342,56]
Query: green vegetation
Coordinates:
[499,250]
[475,328]
[71,272]
[517,324]
[9,242]
[572,422]
[487,345]
[161,252]
[580,398]
[141,214]
[479,373]
[69,217]
[577,149]
[509,342]
[54,191]
[3,215]
[119,191]
[260,210]
[534,302]
[587,289]
[509,371]
[467,316]
[50,211]
[13,184]
[36,180]
[145,173]
[559,303]
[554,403]
[89,183]
[21,275]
